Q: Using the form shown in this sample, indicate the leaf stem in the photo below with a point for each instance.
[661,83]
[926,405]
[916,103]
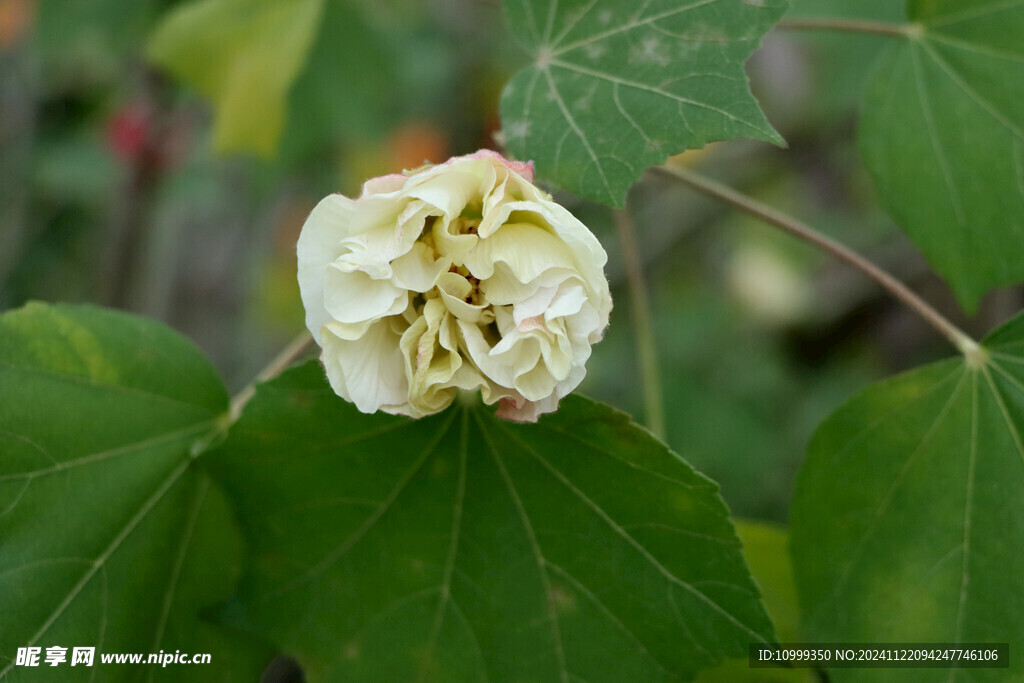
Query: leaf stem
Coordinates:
[963,343]
[646,349]
[849,25]
[288,355]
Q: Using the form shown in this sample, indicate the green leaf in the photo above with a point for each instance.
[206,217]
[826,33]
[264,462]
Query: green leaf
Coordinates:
[243,55]
[617,85]
[943,135]
[463,548]
[766,551]
[111,538]
[908,520]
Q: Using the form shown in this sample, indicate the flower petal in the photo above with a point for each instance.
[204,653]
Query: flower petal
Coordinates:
[352,297]
[417,270]
[367,371]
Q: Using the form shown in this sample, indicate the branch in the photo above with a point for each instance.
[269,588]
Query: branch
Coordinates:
[849,25]
[963,343]
[646,349]
[288,355]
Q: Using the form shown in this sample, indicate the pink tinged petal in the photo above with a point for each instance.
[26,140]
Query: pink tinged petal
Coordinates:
[529,324]
[523,168]
[352,297]
[385,184]
[523,410]
[367,371]
[536,383]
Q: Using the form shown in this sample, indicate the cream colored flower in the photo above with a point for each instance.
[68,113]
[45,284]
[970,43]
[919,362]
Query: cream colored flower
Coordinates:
[462,275]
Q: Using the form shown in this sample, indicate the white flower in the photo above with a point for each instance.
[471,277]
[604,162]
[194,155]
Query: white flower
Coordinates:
[462,275]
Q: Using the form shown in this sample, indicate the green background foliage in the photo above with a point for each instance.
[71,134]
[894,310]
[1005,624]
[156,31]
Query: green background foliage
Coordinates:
[579,546]
[244,56]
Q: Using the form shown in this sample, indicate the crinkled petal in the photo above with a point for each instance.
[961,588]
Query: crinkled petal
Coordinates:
[367,371]
[453,277]
[352,297]
[527,249]
[450,192]
[417,270]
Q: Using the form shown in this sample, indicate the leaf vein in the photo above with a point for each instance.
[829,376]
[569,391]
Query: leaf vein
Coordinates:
[537,553]
[611,616]
[654,90]
[113,452]
[639,547]
[179,561]
[632,25]
[98,564]
[854,555]
[576,129]
[570,25]
[332,557]
[969,497]
[103,386]
[446,577]
[989,108]
[974,13]
[933,136]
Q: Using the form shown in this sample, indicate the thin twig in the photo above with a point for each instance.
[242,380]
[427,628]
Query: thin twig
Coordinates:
[288,355]
[963,343]
[646,350]
[849,25]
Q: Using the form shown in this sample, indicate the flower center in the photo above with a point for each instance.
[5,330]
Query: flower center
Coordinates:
[464,226]
[474,297]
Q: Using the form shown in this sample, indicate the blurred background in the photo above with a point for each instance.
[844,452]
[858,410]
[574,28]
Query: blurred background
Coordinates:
[111,193]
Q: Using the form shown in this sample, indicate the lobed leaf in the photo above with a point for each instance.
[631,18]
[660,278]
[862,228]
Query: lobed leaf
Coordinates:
[908,519]
[617,86]
[943,135]
[765,549]
[109,536]
[461,547]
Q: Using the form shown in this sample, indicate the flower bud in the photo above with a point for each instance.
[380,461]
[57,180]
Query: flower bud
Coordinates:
[462,275]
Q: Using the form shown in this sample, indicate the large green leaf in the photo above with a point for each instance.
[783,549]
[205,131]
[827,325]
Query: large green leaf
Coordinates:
[943,135]
[908,520]
[109,536]
[619,85]
[244,56]
[463,548]
[765,546]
